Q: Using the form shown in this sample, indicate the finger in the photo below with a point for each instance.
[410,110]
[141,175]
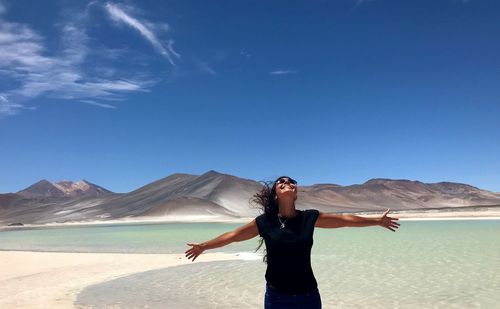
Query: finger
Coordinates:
[390,228]
[195,258]
[392,219]
[386,212]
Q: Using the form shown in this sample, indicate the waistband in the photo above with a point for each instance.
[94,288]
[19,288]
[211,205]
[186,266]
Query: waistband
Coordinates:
[273,289]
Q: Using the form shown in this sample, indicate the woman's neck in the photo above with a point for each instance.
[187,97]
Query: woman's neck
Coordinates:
[287,208]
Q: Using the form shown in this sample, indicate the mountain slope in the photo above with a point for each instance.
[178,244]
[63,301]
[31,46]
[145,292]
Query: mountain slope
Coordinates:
[223,196]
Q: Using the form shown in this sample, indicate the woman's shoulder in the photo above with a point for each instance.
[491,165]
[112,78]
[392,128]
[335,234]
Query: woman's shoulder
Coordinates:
[261,218]
[308,212]
[313,213]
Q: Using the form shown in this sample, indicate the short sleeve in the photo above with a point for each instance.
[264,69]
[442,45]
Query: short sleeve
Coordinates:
[314,213]
[311,217]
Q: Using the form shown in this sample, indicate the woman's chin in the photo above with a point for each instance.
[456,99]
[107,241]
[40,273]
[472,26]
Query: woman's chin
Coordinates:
[289,194]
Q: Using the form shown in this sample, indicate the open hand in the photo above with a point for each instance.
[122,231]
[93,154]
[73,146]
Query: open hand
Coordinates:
[388,222]
[194,251]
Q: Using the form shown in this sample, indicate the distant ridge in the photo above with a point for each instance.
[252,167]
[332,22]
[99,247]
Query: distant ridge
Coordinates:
[45,188]
[218,195]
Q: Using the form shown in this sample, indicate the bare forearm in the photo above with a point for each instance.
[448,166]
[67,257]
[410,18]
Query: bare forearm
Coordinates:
[221,241]
[357,221]
[326,220]
[242,233]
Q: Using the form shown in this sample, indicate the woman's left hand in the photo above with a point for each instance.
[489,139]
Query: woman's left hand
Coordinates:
[388,222]
[194,251]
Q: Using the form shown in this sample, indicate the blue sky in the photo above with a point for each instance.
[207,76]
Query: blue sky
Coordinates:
[122,93]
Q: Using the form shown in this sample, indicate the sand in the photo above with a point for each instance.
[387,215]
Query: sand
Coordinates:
[403,215]
[53,280]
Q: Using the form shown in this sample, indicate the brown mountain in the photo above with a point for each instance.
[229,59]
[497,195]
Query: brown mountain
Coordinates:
[46,189]
[217,195]
[398,195]
[43,188]
[210,194]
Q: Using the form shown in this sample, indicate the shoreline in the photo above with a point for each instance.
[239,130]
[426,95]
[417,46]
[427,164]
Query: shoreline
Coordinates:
[53,279]
[403,216]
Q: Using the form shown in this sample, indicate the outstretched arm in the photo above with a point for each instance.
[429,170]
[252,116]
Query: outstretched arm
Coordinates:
[242,233]
[326,220]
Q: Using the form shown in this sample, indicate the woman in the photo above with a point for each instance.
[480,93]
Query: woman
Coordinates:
[288,235]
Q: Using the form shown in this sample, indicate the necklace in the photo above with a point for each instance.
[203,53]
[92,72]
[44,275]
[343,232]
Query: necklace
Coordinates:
[282,223]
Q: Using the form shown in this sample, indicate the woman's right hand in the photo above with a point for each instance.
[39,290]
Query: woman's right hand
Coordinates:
[194,251]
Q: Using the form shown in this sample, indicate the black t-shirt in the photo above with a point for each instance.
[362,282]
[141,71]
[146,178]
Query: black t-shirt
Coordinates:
[289,251]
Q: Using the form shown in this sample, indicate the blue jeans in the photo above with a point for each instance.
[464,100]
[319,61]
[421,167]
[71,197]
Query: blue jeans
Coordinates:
[278,300]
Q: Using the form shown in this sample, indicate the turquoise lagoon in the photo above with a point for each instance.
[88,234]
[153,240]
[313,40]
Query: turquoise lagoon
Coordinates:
[425,264]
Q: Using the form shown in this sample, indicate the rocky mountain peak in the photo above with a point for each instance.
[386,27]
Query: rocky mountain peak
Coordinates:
[65,188]
[42,188]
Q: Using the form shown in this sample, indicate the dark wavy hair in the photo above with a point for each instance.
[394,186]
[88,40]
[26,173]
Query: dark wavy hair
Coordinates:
[266,200]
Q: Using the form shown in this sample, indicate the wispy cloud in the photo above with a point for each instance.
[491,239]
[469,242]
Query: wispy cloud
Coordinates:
[31,70]
[2,8]
[103,105]
[145,28]
[203,66]
[282,72]
[360,2]
[24,61]
[7,107]
[245,54]
[207,69]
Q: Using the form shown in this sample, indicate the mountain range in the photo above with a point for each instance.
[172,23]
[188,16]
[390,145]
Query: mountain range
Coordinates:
[214,195]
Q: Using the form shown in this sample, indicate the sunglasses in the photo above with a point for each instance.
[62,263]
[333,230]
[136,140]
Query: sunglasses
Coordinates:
[283,180]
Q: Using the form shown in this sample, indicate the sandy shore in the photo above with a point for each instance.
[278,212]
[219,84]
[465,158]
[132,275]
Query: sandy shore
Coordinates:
[53,280]
[403,215]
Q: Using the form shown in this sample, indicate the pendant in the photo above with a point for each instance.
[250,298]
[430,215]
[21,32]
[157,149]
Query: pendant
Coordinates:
[282,226]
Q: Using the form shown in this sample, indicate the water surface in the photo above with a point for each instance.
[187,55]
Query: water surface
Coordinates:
[425,264]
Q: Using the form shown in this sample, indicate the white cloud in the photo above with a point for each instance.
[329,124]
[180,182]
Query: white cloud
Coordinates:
[360,2]
[145,28]
[204,67]
[245,54]
[8,108]
[25,62]
[282,72]
[103,105]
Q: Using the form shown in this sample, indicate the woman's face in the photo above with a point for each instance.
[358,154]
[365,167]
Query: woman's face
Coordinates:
[286,188]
